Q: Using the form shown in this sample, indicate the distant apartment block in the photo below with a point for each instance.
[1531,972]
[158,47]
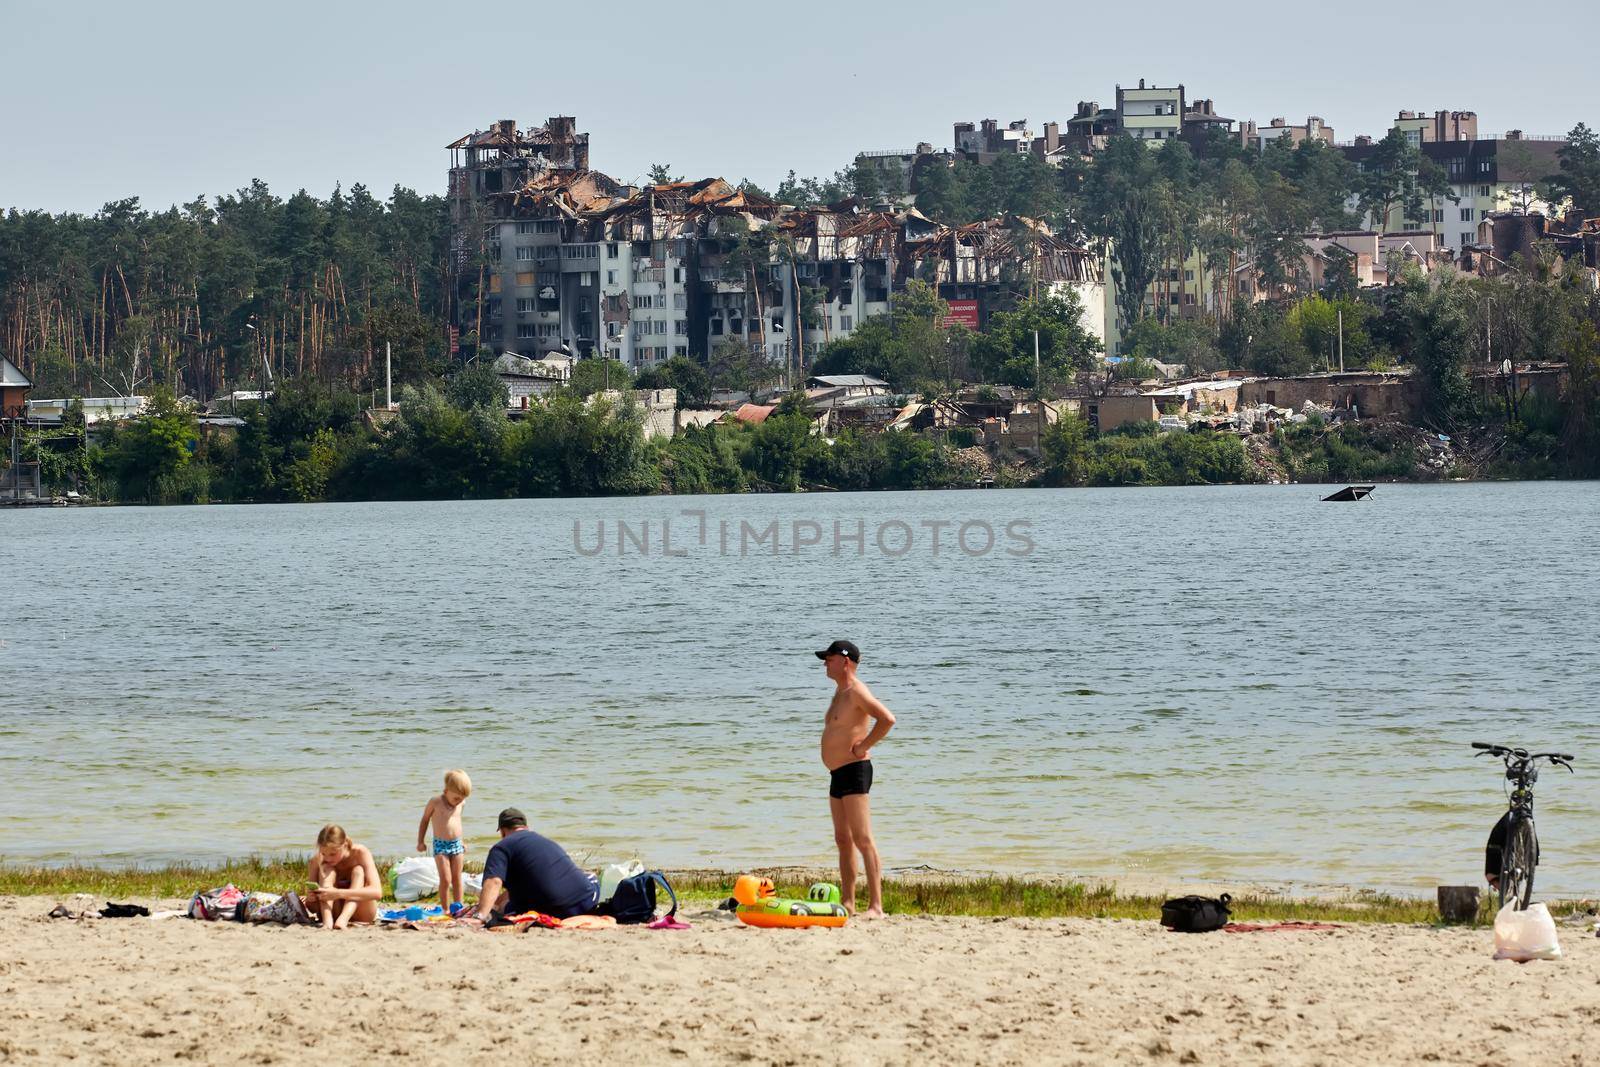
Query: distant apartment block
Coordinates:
[1423,129]
[988,140]
[1150,113]
[1485,176]
[1258,137]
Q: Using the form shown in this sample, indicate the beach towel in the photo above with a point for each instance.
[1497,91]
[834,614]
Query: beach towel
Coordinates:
[523,921]
[668,922]
[588,922]
[1256,928]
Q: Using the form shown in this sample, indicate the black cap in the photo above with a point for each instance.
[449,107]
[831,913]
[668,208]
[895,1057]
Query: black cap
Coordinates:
[512,818]
[847,649]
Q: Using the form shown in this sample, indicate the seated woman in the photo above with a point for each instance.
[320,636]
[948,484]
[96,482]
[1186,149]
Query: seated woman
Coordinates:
[346,878]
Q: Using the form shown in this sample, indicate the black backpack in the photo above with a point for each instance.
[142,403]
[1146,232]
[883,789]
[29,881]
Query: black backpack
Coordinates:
[635,899]
[1195,915]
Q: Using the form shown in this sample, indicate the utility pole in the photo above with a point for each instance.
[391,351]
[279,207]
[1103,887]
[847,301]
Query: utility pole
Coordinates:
[1038,387]
[1488,334]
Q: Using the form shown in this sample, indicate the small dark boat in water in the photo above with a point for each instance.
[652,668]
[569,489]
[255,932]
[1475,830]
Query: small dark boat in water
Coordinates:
[1351,492]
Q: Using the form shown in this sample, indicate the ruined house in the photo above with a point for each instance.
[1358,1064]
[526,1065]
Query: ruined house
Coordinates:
[553,258]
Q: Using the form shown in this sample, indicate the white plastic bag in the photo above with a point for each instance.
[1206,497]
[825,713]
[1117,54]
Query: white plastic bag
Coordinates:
[1524,935]
[415,878]
[472,883]
[615,875]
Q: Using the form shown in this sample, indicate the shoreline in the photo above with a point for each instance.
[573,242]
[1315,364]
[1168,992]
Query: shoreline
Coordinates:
[919,890]
[62,503]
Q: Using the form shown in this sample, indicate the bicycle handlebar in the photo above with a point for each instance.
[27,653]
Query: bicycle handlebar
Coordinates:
[1485,749]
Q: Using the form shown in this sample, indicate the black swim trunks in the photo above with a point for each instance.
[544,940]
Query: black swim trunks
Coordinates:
[851,779]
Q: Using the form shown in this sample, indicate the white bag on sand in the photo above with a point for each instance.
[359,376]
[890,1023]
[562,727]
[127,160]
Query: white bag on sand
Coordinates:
[615,875]
[415,878]
[472,883]
[1525,935]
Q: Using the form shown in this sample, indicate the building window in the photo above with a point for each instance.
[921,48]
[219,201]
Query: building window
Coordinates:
[525,304]
[1466,214]
[525,252]
[661,326]
[580,251]
[679,301]
[494,307]
[613,329]
[1484,165]
[846,323]
[1438,214]
[1484,190]
[547,329]
[524,227]
[1188,275]
[716,327]
[611,277]
[525,329]
[1467,239]
[547,226]
[611,250]
[680,350]
[681,328]
[493,332]
[583,304]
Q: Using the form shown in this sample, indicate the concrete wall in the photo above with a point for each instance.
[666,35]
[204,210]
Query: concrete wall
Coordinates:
[1111,412]
[1372,395]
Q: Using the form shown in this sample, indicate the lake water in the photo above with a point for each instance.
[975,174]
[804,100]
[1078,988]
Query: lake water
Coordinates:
[1231,683]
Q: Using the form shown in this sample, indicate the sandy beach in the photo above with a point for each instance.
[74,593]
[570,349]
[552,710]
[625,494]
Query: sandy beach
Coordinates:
[901,990]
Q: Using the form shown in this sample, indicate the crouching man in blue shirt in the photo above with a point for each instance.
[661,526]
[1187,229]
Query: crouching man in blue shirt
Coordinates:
[528,872]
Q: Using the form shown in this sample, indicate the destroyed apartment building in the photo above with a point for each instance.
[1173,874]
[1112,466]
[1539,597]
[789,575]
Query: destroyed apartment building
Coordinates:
[553,257]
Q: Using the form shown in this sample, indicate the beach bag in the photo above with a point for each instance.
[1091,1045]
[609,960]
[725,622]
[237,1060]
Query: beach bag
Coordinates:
[615,875]
[1195,915]
[635,899]
[287,910]
[415,878]
[216,905]
[1529,934]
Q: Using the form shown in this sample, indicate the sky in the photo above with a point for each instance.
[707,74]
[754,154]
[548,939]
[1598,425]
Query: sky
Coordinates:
[168,101]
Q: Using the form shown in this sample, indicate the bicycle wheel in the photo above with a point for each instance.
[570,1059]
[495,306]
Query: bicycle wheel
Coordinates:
[1517,862]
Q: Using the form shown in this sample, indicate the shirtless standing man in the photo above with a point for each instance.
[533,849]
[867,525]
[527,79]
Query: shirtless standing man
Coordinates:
[846,743]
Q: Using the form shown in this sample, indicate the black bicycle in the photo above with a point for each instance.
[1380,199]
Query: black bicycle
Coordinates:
[1514,834]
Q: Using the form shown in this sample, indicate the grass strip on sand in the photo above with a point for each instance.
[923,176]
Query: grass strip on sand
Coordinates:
[932,894]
